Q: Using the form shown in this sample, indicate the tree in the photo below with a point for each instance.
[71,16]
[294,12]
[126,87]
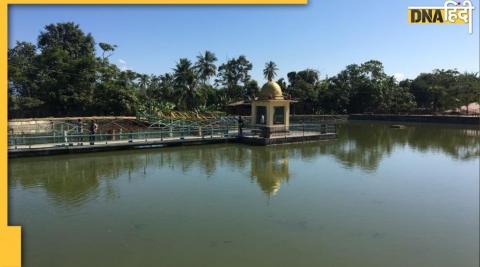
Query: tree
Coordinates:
[270,70]
[435,91]
[143,80]
[23,77]
[399,100]
[67,37]
[186,83]
[283,85]
[359,87]
[252,89]
[304,86]
[467,89]
[67,69]
[22,70]
[115,91]
[205,66]
[244,67]
[107,48]
[60,75]
[234,75]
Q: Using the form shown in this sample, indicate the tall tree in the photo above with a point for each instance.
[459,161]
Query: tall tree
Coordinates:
[67,69]
[270,70]
[186,83]
[234,76]
[304,86]
[143,80]
[22,70]
[205,66]
[252,89]
[467,89]
[435,91]
[107,49]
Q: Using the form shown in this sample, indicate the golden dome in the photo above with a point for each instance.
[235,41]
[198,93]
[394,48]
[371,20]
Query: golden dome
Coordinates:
[270,90]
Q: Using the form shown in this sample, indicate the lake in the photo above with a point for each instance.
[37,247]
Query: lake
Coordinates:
[376,196]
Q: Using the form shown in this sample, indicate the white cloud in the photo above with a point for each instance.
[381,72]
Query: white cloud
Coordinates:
[399,77]
[122,64]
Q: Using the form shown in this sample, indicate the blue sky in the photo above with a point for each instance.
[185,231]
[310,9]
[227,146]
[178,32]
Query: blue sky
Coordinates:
[324,35]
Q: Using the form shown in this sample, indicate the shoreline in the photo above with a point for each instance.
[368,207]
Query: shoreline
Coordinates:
[445,119]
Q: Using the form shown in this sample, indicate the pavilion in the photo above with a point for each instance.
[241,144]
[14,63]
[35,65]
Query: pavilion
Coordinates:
[271,110]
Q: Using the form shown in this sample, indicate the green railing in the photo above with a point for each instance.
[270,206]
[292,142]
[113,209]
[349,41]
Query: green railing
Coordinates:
[166,134]
[160,134]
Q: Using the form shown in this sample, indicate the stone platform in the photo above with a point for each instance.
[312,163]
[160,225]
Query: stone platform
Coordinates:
[290,137]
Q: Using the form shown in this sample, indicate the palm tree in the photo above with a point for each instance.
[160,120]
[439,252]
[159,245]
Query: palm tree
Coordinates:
[185,80]
[270,70]
[127,78]
[143,80]
[205,66]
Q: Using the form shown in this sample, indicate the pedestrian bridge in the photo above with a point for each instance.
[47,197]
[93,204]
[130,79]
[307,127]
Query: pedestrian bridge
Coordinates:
[70,142]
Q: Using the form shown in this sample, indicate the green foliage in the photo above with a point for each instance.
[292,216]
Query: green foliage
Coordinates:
[270,70]
[252,89]
[445,89]
[205,66]
[61,75]
[365,88]
[186,81]
[305,86]
[106,48]
[234,77]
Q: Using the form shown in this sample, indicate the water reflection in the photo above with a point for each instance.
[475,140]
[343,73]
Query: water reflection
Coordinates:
[366,144]
[73,180]
[270,168]
[70,180]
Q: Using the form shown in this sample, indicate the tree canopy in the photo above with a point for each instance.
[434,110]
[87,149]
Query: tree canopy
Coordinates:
[67,73]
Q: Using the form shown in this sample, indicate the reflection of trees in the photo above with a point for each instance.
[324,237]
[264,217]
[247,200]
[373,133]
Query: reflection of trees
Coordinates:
[460,144]
[365,144]
[72,180]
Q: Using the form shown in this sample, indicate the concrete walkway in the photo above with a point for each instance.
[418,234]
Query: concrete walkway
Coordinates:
[109,145]
[62,148]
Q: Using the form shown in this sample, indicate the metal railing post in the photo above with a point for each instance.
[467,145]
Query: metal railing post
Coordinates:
[303,130]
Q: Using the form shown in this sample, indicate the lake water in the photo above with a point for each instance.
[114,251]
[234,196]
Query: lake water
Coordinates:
[377,196]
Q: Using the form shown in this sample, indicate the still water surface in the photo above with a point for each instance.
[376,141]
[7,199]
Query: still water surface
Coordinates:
[375,197]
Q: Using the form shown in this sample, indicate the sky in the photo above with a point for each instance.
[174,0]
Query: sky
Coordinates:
[323,35]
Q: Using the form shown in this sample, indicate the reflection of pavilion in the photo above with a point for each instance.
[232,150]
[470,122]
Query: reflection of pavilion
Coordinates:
[270,169]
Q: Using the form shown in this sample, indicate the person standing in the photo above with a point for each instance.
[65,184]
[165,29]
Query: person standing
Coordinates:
[241,124]
[93,131]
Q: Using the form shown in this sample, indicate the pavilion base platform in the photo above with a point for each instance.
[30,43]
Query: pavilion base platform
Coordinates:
[290,137]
